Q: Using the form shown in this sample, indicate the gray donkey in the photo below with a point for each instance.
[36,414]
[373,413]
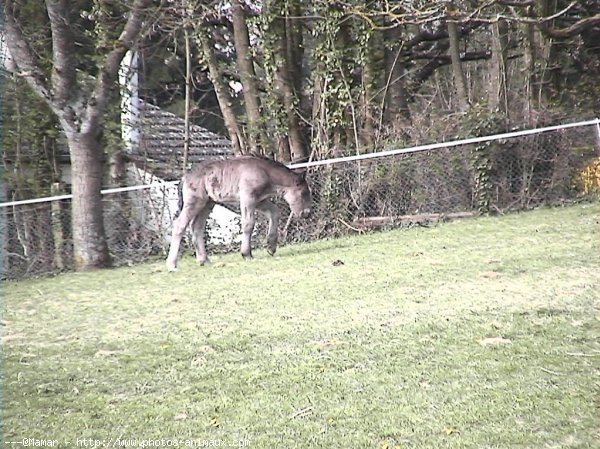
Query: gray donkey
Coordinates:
[249,181]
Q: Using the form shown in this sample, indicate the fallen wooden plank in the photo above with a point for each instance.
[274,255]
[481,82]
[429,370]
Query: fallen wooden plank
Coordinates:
[363,223]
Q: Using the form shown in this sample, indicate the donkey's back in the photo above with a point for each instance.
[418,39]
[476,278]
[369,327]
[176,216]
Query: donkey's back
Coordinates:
[231,180]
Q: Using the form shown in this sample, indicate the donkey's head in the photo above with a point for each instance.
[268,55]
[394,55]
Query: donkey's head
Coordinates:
[298,196]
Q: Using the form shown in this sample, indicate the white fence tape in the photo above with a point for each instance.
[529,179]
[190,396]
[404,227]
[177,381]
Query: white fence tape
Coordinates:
[432,146]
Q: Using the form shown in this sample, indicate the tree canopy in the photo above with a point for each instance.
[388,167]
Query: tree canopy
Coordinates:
[298,79]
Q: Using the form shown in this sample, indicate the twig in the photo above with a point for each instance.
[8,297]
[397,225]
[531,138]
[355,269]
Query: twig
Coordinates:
[535,21]
[16,255]
[285,228]
[581,354]
[301,413]
[551,372]
[349,226]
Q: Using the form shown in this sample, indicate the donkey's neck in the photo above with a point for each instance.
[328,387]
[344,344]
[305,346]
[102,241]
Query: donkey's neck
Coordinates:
[281,176]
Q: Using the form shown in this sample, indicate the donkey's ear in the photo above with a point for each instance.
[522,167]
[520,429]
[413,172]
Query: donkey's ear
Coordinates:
[301,173]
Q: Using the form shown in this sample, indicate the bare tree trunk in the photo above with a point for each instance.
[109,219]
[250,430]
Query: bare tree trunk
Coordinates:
[368,126]
[319,136]
[530,73]
[57,228]
[395,113]
[188,98]
[294,58]
[497,94]
[45,252]
[342,100]
[222,93]
[118,211]
[79,111]
[460,83]
[549,53]
[89,242]
[285,91]
[368,90]
[395,107]
[248,78]
[295,45]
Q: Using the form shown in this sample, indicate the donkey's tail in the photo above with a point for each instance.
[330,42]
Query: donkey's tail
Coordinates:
[179,198]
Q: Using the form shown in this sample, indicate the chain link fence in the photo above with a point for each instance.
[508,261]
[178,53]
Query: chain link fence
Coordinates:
[375,191]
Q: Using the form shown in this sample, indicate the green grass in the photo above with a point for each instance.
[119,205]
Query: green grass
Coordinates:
[481,333]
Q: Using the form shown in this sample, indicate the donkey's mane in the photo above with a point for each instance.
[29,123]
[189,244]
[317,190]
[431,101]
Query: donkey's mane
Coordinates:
[264,158]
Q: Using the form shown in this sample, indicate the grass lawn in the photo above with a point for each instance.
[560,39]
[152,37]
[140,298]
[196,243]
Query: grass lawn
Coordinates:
[480,333]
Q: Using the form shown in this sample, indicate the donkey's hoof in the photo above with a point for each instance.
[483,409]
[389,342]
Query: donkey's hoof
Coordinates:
[171,267]
[271,250]
[247,256]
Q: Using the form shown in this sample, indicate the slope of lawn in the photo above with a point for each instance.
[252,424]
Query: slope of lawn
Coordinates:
[480,333]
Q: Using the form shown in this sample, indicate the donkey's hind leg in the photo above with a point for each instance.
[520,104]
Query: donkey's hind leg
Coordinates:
[271,211]
[198,227]
[186,215]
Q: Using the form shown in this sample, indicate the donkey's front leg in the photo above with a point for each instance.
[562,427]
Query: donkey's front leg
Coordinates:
[247,229]
[272,213]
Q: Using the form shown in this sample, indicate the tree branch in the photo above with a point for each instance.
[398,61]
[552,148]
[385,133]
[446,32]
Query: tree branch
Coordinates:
[540,21]
[22,55]
[109,70]
[63,50]
[573,30]
[517,3]
[445,59]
